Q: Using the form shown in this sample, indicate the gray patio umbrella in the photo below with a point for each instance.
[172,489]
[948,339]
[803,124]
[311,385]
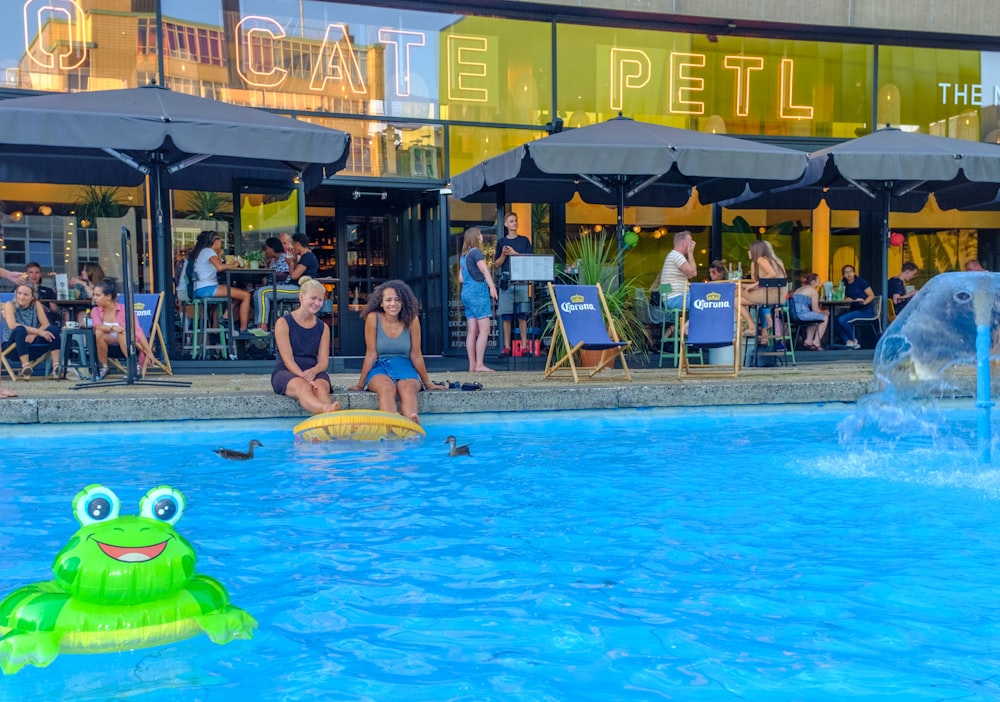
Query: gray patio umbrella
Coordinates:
[887,170]
[623,163]
[118,137]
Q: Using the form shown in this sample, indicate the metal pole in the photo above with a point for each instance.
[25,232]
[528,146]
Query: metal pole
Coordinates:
[621,230]
[884,252]
[130,359]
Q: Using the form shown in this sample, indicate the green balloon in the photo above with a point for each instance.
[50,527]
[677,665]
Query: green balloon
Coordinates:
[631,239]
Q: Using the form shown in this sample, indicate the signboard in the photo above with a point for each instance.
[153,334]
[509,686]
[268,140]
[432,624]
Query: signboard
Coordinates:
[531,268]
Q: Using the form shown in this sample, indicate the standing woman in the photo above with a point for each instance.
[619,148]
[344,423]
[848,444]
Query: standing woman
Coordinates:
[394,365]
[108,317]
[477,293]
[303,341]
[206,264]
[27,325]
[763,264]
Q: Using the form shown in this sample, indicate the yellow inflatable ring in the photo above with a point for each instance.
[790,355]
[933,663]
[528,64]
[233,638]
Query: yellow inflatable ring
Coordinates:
[357,425]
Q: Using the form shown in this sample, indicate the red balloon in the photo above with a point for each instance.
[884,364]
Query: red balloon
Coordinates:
[895,239]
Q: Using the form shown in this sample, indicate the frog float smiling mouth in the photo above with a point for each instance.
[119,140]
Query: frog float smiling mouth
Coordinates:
[121,582]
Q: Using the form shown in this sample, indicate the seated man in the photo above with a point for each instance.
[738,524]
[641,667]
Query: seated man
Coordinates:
[33,271]
[897,286]
[678,268]
[307,265]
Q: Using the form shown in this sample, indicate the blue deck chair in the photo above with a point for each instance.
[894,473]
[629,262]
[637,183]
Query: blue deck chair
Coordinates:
[710,319]
[581,311]
[147,312]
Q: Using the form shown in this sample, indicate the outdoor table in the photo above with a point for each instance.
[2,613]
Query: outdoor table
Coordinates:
[836,307]
[69,308]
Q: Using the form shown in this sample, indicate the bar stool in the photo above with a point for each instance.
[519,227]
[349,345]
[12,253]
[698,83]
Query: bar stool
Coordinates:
[81,341]
[202,326]
[767,315]
[671,319]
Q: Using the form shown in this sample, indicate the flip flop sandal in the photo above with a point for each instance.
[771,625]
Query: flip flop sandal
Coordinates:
[26,372]
[472,386]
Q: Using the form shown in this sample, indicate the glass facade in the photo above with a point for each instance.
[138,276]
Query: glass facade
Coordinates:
[426,95]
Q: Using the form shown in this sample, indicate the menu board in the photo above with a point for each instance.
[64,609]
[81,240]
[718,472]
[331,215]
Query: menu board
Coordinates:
[532,268]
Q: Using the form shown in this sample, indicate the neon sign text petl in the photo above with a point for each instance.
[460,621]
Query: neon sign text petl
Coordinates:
[632,69]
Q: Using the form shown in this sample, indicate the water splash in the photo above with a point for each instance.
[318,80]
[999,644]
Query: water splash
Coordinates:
[940,346]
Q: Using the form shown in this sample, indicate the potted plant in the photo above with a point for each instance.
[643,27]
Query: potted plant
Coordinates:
[593,259]
[253,258]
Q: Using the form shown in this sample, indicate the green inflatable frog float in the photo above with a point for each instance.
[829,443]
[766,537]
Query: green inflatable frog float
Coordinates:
[122,582]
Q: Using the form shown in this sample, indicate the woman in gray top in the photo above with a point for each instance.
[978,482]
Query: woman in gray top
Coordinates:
[394,365]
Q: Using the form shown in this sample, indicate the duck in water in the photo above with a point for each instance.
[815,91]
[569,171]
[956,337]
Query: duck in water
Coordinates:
[456,450]
[234,455]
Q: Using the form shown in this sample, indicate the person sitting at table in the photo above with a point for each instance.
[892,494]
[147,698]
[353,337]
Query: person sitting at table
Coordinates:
[33,274]
[678,268]
[805,310]
[897,286]
[394,365]
[303,342]
[717,271]
[206,264]
[90,275]
[27,325]
[306,266]
[859,293]
[108,319]
[763,264]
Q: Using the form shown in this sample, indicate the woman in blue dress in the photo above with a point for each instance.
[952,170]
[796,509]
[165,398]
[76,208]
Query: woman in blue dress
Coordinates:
[478,291]
[394,366]
[807,312]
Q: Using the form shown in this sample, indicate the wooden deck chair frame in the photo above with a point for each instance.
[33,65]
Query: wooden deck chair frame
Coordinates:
[154,335]
[11,348]
[612,347]
[684,367]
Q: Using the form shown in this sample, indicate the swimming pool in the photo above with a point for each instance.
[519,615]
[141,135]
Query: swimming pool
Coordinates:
[634,555]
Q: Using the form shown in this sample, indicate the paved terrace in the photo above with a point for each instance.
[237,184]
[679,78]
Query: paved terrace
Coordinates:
[249,395]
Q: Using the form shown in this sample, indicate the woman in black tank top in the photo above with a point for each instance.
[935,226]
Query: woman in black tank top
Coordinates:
[303,341]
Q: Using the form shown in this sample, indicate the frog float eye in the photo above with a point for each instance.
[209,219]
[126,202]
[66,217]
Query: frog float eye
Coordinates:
[95,503]
[164,504]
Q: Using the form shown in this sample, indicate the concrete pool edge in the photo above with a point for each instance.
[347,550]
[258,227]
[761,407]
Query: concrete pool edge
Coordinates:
[232,398]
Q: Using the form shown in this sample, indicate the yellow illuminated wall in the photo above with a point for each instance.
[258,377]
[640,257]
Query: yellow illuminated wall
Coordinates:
[726,84]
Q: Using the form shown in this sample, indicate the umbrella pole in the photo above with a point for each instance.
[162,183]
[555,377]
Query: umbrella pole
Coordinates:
[163,272]
[621,230]
[884,252]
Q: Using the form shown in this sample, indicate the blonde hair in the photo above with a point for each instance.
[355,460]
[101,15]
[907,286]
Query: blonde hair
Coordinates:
[30,286]
[763,249]
[473,238]
[305,282]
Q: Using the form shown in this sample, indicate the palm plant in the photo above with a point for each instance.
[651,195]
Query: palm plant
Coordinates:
[595,259]
[96,201]
[201,204]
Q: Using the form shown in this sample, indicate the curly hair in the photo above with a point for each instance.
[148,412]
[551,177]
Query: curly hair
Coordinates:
[410,305]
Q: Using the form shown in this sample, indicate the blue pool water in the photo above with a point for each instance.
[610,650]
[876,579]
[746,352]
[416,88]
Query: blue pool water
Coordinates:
[636,555]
